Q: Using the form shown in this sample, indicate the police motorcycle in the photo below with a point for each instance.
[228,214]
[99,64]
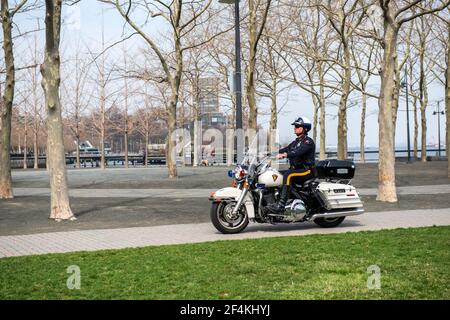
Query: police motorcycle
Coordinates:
[326,199]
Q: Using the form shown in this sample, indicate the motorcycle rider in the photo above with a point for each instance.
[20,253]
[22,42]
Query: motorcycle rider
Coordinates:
[301,153]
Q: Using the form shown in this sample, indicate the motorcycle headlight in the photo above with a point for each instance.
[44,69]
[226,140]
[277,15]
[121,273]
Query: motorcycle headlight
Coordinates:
[239,173]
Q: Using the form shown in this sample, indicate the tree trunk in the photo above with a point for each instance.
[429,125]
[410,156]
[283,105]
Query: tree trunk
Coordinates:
[316,105]
[77,128]
[447,102]
[126,120]
[423,101]
[250,92]
[416,128]
[102,142]
[60,204]
[35,121]
[172,117]
[386,164]
[251,101]
[322,114]
[102,115]
[171,126]
[171,159]
[197,138]
[197,119]
[25,143]
[35,143]
[423,127]
[146,146]
[395,101]
[230,137]
[273,106]
[77,164]
[126,148]
[273,115]
[342,113]
[6,191]
[363,127]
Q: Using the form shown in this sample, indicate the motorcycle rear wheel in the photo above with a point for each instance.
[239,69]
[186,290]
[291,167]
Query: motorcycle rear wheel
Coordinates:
[222,219]
[329,222]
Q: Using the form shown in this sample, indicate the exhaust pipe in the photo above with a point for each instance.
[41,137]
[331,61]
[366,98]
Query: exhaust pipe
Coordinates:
[336,214]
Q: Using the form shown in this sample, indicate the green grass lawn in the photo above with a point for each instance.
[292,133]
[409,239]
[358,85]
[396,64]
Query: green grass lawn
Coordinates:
[414,263]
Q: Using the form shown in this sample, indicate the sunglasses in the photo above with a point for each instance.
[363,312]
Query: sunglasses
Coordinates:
[297,126]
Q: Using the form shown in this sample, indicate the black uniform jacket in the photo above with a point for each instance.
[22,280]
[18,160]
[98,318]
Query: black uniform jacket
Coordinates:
[301,152]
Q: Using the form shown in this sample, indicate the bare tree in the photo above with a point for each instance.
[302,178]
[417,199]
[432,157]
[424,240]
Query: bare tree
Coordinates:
[423,29]
[447,98]
[76,90]
[36,102]
[7,15]
[345,19]
[274,69]
[126,123]
[364,53]
[441,30]
[271,81]
[195,71]
[180,25]
[199,66]
[106,98]
[413,92]
[257,22]
[308,56]
[146,119]
[393,17]
[50,69]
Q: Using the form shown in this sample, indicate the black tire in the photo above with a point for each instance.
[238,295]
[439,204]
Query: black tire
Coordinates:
[329,222]
[218,221]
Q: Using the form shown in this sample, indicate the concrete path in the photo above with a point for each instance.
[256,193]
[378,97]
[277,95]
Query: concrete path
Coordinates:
[91,240]
[200,193]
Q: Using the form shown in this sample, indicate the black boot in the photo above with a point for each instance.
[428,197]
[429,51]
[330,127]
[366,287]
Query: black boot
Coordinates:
[279,207]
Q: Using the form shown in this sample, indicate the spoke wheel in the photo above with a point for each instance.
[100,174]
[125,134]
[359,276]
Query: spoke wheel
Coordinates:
[225,221]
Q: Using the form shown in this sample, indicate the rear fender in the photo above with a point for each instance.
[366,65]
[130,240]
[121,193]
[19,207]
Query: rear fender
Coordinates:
[233,194]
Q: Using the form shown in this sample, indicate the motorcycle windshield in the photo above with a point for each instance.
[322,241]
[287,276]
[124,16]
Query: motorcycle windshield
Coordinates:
[251,154]
[256,152]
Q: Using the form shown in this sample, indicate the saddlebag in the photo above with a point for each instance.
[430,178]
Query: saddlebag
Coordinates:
[338,196]
[335,169]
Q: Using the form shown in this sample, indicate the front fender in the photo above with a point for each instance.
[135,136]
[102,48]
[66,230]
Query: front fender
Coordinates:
[233,194]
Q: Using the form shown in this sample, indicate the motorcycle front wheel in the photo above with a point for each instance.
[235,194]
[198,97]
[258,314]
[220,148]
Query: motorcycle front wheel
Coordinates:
[223,219]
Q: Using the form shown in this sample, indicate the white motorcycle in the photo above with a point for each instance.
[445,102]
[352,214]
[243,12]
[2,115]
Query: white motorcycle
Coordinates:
[326,199]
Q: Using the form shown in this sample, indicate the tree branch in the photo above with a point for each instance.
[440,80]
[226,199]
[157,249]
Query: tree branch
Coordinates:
[414,16]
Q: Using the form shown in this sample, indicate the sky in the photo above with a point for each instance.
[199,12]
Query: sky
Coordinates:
[85,23]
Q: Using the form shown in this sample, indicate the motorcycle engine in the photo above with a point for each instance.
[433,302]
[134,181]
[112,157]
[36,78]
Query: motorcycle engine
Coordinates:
[296,209]
[269,197]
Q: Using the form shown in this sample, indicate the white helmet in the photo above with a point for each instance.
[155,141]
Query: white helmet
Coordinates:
[303,122]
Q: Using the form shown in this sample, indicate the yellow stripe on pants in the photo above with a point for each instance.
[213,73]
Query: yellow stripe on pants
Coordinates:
[295,174]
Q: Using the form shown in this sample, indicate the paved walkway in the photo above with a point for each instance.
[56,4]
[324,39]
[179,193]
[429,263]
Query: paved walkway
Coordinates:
[91,240]
[200,193]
